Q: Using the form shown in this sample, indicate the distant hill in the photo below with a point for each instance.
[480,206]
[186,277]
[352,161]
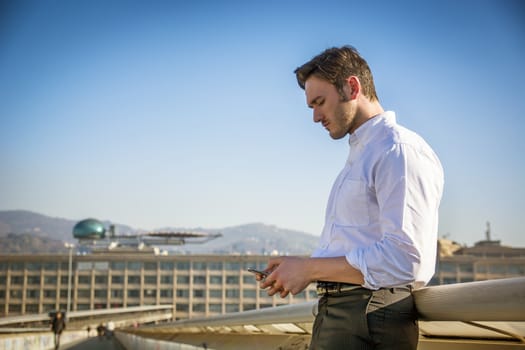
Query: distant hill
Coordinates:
[256,238]
[26,222]
[29,243]
[28,232]
[22,221]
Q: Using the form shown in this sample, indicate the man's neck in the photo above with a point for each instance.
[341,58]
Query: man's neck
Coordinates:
[366,111]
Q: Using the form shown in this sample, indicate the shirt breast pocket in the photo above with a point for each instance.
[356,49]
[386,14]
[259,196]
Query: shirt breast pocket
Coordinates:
[351,203]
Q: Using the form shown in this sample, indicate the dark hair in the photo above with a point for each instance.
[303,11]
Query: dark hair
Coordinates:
[335,65]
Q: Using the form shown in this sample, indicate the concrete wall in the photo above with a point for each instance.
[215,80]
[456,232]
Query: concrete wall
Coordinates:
[37,341]
[134,342]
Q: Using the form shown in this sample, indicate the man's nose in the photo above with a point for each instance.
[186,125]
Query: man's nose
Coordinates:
[317,116]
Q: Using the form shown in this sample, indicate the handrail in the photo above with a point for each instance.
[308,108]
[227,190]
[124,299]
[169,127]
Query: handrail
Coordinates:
[492,300]
[84,313]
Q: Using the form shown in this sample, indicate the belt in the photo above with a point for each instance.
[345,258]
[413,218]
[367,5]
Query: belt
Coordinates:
[330,288]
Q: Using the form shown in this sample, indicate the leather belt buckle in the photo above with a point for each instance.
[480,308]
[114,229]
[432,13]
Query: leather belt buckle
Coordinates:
[332,288]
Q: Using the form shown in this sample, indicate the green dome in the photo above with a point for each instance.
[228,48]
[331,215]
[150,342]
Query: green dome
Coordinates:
[89,228]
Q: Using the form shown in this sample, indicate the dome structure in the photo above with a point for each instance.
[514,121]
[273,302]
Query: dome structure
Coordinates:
[89,229]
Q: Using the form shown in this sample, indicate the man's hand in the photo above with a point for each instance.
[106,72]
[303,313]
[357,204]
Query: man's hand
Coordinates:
[288,275]
[293,274]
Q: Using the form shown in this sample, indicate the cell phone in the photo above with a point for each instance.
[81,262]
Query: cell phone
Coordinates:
[262,273]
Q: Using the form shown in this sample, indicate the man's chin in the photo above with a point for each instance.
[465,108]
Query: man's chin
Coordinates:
[337,136]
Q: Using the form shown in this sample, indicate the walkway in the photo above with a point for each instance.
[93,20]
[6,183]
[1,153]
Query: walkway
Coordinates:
[94,343]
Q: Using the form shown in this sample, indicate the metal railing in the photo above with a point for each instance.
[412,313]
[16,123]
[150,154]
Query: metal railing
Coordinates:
[486,309]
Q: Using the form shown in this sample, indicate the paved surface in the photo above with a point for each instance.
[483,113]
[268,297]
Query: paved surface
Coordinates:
[95,343]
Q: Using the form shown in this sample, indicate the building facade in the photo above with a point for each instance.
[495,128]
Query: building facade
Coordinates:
[486,260]
[197,285]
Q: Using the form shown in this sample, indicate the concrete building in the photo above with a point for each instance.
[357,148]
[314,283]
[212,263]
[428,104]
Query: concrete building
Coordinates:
[486,260]
[197,285]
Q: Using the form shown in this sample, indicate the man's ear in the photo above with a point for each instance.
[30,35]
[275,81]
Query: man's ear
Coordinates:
[352,87]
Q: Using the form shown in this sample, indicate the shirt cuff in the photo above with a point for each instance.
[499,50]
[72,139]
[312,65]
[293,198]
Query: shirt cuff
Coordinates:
[352,258]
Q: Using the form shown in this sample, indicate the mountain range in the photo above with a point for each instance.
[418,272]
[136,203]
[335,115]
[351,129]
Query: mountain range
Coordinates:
[28,232]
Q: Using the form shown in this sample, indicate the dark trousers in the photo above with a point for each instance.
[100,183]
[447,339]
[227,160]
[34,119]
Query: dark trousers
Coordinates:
[366,319]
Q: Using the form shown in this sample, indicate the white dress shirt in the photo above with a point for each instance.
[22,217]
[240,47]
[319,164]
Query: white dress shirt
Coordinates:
[382,213]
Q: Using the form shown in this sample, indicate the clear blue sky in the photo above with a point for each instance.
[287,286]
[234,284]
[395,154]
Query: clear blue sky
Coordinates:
[187,113]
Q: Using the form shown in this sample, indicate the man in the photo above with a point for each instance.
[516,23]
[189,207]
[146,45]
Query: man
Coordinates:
[380,234]
[110,329]
[58,324]
[100,331]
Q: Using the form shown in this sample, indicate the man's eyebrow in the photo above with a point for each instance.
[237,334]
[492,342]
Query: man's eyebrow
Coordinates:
[314,102]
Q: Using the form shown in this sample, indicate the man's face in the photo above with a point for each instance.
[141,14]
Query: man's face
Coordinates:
[329,109]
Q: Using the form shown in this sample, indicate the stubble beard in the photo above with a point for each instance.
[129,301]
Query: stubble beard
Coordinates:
[344,120]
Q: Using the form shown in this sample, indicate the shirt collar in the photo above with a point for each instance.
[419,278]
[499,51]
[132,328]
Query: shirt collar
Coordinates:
[368,129]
